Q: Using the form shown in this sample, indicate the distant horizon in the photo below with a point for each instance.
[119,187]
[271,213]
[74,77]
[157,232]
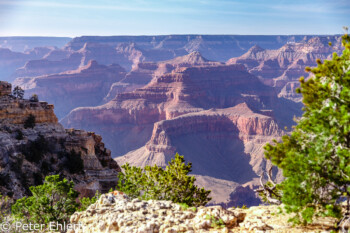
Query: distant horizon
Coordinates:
[136,35]
[64,18]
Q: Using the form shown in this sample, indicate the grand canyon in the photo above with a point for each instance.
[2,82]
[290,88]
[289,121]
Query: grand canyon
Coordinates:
[217,100]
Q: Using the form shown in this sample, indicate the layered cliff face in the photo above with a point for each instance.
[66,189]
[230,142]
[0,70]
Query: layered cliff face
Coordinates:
[32,68]
[227,142]
[142,73]
[170,95]
[282,68]
[225,146]
[128,51]
[62,60]
[29,152]
[219,117]
[213,47]
[86,86]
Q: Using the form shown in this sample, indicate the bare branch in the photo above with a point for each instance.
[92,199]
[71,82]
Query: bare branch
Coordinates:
[268,191]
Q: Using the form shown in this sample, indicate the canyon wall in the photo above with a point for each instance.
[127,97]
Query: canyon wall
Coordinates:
[28,153]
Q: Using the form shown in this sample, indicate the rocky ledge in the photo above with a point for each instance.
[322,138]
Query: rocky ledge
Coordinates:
[116,212]
[42,147]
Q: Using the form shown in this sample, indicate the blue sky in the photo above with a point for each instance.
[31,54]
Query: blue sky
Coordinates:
[159,17]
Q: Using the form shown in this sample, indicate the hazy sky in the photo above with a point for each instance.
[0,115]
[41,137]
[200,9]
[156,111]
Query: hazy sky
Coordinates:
[154,17]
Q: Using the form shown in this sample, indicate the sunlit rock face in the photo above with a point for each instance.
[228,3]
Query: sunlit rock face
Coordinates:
[218,116]
[142,73]
[29,153]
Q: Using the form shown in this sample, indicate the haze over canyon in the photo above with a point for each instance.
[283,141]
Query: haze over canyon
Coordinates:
[216,99]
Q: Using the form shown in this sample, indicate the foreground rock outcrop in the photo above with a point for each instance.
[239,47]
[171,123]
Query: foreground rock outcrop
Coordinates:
[33,145]
[115,212]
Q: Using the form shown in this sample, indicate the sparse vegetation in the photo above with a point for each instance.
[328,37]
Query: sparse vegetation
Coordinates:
[34,98]
[172,183]
[244,207]
[185,207]
[215,222]
[18,92]
[55,201]
[315,158]
[35,150]
[85,202]
[5,207]
[73,162]
[29,122]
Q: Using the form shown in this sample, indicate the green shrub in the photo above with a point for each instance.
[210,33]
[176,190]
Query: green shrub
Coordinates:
[315,157]
[35,151]
[185,207]
[54,201]
[172,183]
[215,222]
[85,202]
[29,122]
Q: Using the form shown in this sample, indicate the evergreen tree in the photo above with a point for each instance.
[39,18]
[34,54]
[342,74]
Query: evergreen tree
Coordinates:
[18,92]
[172,183]
[54,201]
[315,158]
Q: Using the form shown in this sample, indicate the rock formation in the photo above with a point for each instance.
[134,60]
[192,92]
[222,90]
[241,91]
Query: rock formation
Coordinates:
[33,145]
[23,44]
[86,86]
[219,117]
[143,72]
[213,47]
[46,66]
[115,212]
[10,61]
[283,67]
[227,142]
[63,60]
[130,50]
